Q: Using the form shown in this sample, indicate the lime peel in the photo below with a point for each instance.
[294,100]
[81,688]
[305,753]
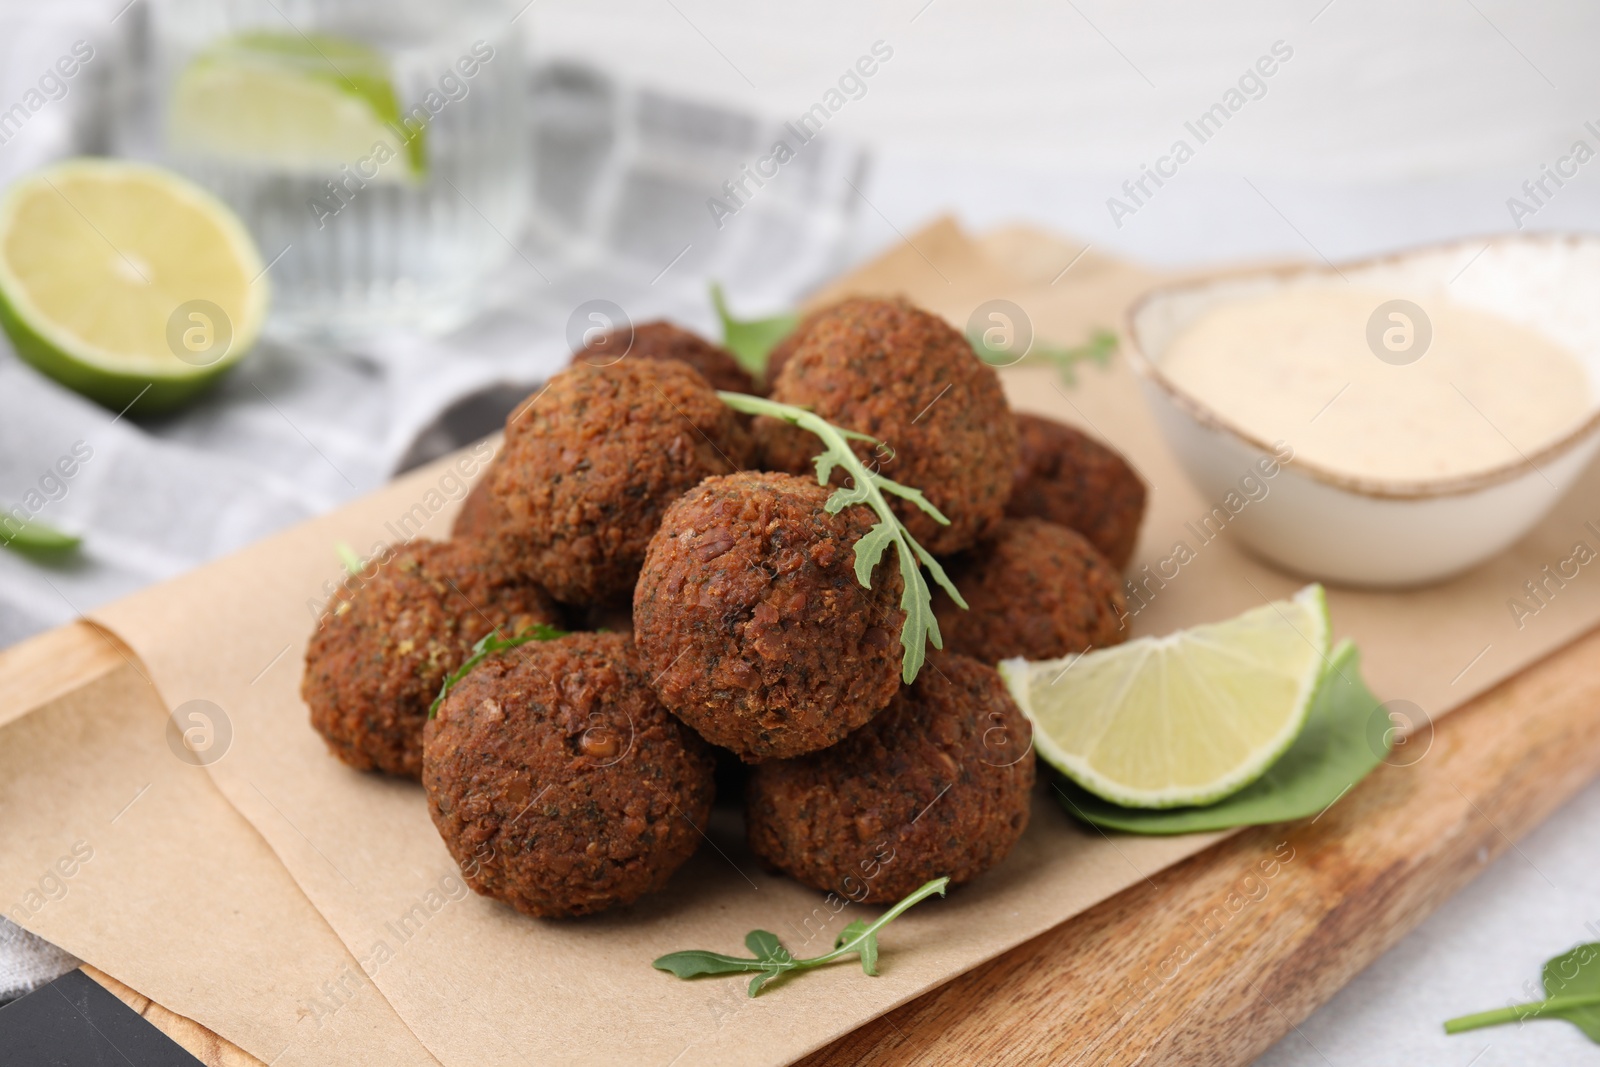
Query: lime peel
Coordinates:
[97,256]
[1180,720]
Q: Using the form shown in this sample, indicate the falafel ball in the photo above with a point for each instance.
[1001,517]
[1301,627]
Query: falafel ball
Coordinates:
[938,784]
[780,352]
[1068,477]
[663,340]
[559,783]
[391,636]
[478,519]
[906,377]
[751,623]
[1036,590]
[590,467]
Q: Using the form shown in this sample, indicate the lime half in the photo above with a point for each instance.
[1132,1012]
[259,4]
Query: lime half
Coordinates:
[303,104]
[124,281]
[1184,719]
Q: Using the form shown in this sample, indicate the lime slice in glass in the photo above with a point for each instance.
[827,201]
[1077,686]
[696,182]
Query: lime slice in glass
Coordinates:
[302,104]
[125,281]
[1184,719]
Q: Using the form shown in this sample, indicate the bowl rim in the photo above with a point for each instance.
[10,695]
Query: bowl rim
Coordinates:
[1150,371]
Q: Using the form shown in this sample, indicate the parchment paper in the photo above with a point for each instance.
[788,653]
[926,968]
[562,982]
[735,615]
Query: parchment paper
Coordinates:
[124,855]
[481,985]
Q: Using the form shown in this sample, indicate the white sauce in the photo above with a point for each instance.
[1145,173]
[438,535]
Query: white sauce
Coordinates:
[1295,366]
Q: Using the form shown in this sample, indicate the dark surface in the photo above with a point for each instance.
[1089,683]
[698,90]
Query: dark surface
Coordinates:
[472,418]
[76,1022]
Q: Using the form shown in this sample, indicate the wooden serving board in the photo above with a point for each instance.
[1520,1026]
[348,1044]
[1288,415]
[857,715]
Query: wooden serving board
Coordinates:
[1195,966]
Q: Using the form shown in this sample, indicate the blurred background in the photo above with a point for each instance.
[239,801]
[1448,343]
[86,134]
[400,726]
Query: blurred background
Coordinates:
[592,165]
[589,166]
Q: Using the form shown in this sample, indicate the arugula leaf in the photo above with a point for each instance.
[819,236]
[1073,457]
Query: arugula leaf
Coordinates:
[693,963]
[1572,992]
[34,536]
[488,645]
[1335,750]
[867,946]
[1098,349]
[867,487]
[767,947]
[772,961]
[750,340]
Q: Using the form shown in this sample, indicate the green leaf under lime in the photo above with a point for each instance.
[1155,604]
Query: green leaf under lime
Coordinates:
[1180,720]
[1336,749]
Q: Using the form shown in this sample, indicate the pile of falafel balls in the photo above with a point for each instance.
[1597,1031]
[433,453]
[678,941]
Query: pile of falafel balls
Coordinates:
[719,638]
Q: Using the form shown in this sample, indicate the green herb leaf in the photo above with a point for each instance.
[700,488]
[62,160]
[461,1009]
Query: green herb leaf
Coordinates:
[867,487]
[767,947]
[751,340]
[866,944]
[869,550]
[693,963]
[353,563]
[773,961]
[1098,349]
[34,536]
[1335,750]
[1572,992]
[759,982]
[488,645]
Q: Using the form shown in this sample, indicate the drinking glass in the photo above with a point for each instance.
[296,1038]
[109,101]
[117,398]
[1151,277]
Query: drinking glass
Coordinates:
[377,151]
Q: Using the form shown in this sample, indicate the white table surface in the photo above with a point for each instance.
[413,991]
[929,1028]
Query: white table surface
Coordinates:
[1391,125]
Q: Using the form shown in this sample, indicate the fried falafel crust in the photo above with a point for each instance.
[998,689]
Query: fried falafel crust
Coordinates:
[662,340]
[937,784]
[1068,477]
[1036,590]
[559,783]
[590,466]
[391,636]
[478,518]
[785,348]
[751,623]
[906,377]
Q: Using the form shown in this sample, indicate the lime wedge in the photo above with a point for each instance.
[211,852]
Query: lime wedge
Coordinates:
[124,281]
[1185,719]
[303,104]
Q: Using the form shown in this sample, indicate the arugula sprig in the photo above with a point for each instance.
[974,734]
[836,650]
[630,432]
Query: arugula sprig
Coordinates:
[34,536]
[751,340]
[1098,349]
[772,961]
[491,644]
[867,487]
[1572,992]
